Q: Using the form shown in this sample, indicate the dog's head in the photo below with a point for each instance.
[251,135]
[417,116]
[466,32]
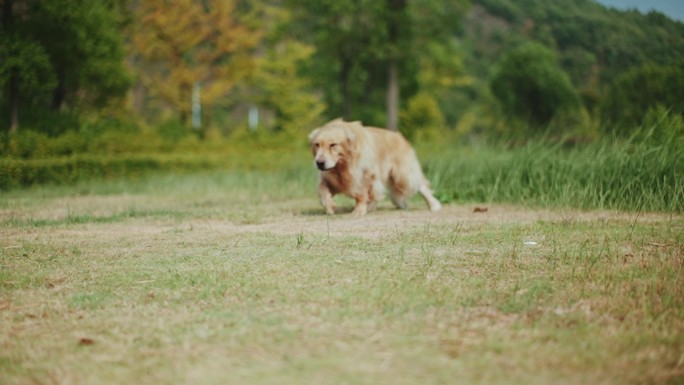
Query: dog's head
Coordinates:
[332,144]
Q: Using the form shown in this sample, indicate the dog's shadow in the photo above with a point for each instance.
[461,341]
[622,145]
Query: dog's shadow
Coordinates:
[321,212]
[340,210]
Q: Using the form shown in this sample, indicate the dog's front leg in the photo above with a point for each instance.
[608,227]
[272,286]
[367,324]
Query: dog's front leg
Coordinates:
[326,198]
[361,207]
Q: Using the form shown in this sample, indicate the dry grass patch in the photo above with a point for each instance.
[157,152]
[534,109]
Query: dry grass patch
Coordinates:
[222,289]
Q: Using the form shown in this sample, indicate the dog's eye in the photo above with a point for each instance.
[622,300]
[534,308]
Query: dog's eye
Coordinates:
[333,145]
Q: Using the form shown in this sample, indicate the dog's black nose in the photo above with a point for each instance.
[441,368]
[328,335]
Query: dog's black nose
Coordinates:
[320,165]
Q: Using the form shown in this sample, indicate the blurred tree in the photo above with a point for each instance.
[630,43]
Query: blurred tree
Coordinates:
[348,38]
[531,87]
[372,50]
[85,45]
[637,91]
[422,119]
[22,61]
[279,83]
[280,87]
[189,43]
[442,76]
[60,52]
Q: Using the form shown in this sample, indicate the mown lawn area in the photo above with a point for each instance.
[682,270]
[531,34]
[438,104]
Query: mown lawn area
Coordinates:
[240,278]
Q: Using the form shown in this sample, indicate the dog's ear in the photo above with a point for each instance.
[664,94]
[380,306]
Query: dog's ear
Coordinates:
[351,135]
[313,134]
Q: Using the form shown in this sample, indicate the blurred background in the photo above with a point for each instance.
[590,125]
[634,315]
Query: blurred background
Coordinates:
[103,77]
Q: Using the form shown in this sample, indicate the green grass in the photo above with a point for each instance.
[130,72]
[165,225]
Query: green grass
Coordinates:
[239,278]
[621,174]
[642,173]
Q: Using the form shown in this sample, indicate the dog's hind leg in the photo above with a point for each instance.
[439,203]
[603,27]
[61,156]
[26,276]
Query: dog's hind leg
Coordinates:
[399,200]
[375,193]
[399,190]
[432,202]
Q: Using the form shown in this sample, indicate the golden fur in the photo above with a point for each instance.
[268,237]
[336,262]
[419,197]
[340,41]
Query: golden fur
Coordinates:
[363,162]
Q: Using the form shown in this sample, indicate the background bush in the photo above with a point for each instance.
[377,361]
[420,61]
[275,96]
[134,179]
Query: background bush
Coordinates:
[531,87]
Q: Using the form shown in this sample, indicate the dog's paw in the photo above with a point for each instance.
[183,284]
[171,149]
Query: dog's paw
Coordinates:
[435,206]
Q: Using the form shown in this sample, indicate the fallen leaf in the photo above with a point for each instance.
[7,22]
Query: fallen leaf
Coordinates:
[480,209]
[86,341]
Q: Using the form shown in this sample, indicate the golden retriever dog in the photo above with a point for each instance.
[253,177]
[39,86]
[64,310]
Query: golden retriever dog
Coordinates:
[363,163]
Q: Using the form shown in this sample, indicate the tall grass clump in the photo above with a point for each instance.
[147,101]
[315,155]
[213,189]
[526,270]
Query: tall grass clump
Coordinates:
[644,172]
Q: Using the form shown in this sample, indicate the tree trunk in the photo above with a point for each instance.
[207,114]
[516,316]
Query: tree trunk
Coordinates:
[58,96]
[344,89]
[138,98]
[185,107]
[393,96]
[7,19]
[396,30]
[14,102]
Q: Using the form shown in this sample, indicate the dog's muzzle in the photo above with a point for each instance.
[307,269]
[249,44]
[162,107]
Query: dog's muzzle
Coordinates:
[321,166]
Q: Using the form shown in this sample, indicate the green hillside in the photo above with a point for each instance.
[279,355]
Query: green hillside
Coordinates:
[597,47]
[591,40]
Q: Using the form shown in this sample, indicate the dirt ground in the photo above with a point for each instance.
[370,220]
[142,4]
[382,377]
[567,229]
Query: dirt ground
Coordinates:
[387,219]
[296,217]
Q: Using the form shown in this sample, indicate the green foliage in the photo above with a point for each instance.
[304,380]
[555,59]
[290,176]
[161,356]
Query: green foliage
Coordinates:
[574,66]
[15,173]
[356,41]
[173,130]
[661,126]
[50,122]
[422,120]
[29,157]
[441,74]
[638,90]
[616,40]
[531,87]
[285,91]
[505,9]
[348,37]
[28,144]
[594,45]
[29,60]
[86,49]
[65,53]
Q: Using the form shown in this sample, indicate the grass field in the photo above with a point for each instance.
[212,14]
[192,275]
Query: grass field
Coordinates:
[237,278]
